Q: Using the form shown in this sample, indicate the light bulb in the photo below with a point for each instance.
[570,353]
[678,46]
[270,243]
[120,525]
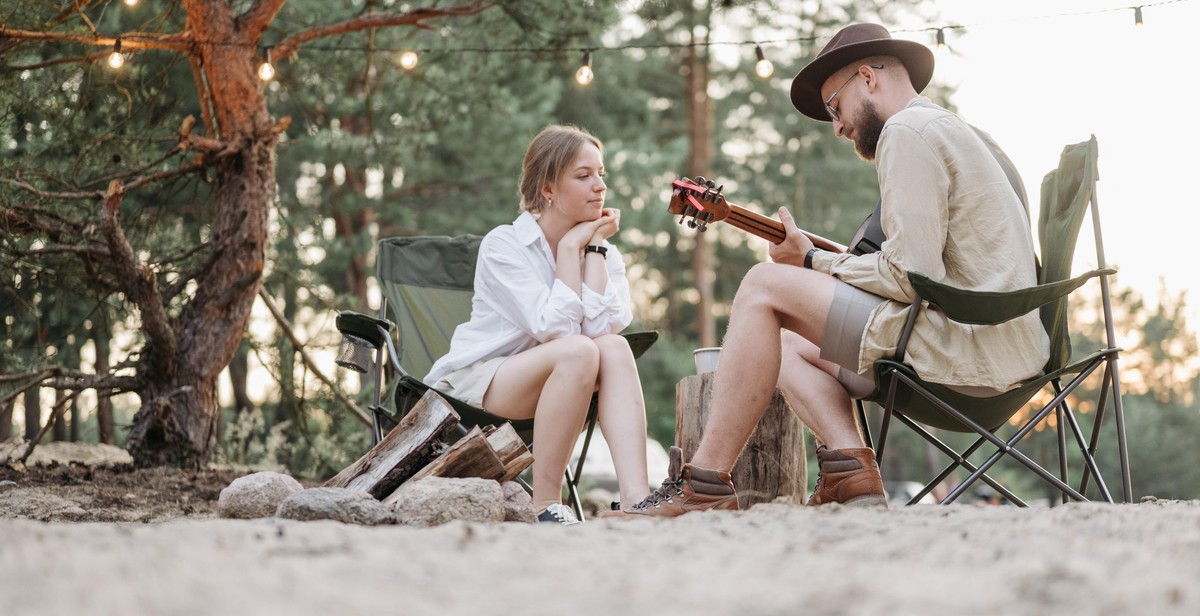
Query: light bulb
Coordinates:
[763,67]
[941,37]
[1137,16]
[266,72]
[408,60]
[585,75]
[131,3]
[116,59]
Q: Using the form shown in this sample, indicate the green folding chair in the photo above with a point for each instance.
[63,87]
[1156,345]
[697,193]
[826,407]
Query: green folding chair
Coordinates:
[1067,193]
[427,284]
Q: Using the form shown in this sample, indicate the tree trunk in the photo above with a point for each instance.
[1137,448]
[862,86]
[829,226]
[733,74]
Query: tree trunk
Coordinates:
[700,118]
[101,337]
[33,412]
[176,423]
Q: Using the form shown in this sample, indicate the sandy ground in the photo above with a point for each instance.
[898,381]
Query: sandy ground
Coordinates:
[174,557]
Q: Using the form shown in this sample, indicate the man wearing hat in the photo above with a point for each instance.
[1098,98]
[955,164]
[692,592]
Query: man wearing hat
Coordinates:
[814,322]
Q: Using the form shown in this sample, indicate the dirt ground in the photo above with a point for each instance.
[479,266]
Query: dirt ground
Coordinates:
[104,538]
[72,482]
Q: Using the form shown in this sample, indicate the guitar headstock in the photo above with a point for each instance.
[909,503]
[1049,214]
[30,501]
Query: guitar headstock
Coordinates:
[698,202]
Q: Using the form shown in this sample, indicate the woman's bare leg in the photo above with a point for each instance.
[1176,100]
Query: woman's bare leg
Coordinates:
[622,416]
[553,383]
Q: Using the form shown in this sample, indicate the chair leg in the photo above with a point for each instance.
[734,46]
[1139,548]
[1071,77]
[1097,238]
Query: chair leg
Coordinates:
[1062,438]
[866,427]
[957,459]
[573,494]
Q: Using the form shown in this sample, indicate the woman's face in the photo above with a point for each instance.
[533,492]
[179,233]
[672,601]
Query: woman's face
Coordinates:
[578,194]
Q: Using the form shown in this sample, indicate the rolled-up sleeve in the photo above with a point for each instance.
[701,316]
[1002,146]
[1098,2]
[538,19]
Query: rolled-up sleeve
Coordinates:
[607,311]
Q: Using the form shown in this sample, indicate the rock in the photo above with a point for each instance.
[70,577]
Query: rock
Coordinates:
[436,500]
[338,504]
[256,496]
[518,504]
[6,484]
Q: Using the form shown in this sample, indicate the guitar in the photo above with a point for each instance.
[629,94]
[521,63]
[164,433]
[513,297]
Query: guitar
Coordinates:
[704,204]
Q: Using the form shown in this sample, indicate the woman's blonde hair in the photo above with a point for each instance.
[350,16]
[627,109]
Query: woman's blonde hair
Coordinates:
[547,157]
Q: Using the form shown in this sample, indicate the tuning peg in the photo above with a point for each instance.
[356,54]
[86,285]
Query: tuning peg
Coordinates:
[692,224]
[703,227]
[709,183]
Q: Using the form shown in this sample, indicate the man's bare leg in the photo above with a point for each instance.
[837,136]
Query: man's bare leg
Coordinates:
[771,298]
[816,396]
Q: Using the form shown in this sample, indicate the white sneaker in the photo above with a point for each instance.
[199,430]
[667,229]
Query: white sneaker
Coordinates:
[556,513]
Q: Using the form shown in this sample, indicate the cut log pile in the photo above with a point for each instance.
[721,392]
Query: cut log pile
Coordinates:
[415,449]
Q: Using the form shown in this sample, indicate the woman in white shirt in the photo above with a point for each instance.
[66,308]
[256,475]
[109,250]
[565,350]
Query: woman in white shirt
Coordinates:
[550,299]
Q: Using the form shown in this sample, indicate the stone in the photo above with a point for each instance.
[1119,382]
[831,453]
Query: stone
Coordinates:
[436,500]
[338,504]
[257,495]
[518,504]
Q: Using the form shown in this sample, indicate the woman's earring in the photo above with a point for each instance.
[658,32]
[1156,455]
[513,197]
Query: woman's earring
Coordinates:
[549,203]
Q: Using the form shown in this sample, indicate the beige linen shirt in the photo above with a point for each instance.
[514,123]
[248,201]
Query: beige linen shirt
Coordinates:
[950,213]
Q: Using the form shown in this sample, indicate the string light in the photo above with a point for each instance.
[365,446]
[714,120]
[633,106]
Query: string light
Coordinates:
[116,59]
[131,3]
[409,59]
[941,37]
[1137,15]
[762,67]
[585,75]
[266,71]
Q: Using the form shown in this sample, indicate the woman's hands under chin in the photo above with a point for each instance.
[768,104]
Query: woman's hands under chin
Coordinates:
[608,225]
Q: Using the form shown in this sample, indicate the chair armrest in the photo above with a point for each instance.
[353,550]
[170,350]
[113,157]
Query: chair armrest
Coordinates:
[640,342]
[994,307]
[363,326]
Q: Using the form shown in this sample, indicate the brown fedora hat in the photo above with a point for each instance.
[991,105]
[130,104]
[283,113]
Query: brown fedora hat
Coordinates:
[855,42]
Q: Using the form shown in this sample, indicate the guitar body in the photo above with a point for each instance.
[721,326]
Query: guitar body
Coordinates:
[869,237]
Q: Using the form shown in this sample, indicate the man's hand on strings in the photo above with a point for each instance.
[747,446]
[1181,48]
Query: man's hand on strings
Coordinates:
[794,245]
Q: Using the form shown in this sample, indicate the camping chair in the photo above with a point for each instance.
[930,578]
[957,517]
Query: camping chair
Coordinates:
[1066,194]
[427,285]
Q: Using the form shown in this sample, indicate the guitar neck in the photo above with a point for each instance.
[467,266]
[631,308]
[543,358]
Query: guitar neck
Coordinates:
[772,230]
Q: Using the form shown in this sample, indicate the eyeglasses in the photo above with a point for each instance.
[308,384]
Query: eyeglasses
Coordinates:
[833,113]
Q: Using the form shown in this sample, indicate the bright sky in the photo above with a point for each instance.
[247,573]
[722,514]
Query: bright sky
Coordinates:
[1040,74]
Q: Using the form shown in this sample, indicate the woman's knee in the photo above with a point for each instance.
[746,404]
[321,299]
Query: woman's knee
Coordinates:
[577,353]
[613,346]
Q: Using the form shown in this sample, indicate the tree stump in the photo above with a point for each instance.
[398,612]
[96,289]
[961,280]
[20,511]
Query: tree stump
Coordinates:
[773,464]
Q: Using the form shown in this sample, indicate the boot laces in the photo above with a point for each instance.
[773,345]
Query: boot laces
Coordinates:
[671,487]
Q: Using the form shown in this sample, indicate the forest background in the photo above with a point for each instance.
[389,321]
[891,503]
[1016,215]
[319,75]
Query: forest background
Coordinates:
[153,214]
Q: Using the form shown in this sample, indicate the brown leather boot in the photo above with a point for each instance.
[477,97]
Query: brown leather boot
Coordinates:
[688,488]
[848,476]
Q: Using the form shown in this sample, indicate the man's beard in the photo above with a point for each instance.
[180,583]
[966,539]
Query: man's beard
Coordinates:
[866,133]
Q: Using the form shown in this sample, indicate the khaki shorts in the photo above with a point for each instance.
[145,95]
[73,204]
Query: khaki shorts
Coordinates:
[469,384]
[844,328]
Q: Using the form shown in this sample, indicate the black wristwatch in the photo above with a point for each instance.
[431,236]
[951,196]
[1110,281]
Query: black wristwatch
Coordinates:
[808,258]
[600,250]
